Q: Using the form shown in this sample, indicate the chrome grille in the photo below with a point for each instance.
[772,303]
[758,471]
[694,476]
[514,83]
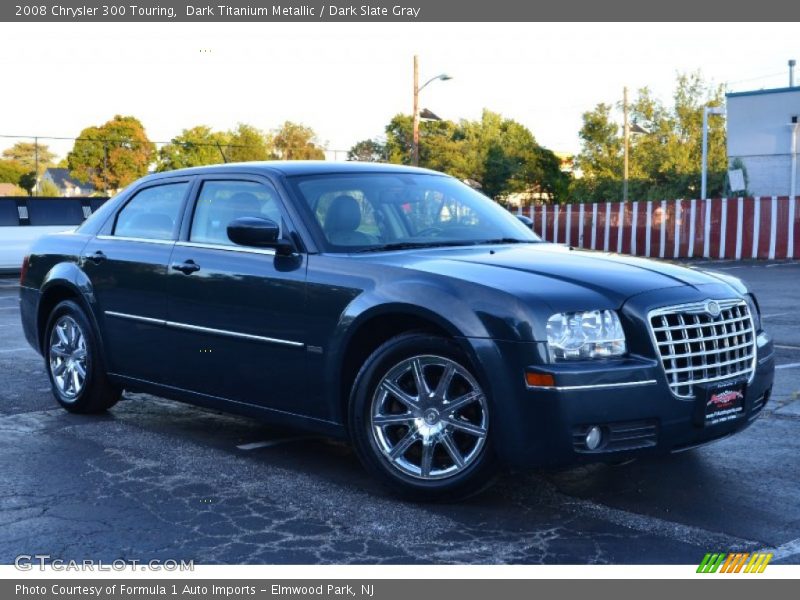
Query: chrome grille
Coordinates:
[696,347]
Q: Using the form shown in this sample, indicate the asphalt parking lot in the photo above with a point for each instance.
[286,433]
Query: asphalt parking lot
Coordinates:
[156,479]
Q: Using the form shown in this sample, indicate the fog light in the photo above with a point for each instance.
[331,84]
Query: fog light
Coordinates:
[593,437]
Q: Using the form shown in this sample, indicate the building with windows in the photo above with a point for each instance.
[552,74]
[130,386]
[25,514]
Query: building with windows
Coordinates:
[66,184]
[763,133]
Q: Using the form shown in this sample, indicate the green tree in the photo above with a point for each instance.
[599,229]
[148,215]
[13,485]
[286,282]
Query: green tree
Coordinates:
[293,141]
[11,171]
[247,143]
[48,189]
[193,148]
[25,154]
[28,181]
[367,151]
[600,159]
[441,145]
[500,154]
[663,163]
[112,155]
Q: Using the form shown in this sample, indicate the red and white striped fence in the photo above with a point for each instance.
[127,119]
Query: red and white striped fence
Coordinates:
[764,227]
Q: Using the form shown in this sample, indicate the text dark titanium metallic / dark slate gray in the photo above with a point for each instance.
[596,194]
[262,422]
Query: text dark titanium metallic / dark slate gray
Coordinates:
[396,307]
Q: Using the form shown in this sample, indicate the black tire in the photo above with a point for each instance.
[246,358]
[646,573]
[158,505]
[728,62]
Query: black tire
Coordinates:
[96,393]
[439,437]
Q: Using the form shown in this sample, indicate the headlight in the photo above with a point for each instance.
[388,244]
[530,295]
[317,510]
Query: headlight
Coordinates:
[755,311]
[580,335]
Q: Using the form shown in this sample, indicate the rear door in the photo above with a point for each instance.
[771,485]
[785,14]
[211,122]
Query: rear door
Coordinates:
[237,313]
[127,265]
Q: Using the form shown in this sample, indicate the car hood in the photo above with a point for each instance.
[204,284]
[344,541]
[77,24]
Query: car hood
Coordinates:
[553,273]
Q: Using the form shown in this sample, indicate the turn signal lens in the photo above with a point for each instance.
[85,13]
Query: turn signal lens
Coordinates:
[539,379]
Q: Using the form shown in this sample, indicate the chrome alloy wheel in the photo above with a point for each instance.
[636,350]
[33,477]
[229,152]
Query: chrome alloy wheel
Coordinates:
[429,417]
[67,357]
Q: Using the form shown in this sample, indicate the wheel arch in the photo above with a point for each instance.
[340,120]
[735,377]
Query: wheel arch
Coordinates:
[373,328]
[65,281]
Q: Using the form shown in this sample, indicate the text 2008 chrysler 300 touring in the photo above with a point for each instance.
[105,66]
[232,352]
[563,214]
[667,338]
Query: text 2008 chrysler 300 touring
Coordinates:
[397,307]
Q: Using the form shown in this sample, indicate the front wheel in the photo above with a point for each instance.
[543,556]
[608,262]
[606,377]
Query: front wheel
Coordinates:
[419,419]
[74,363]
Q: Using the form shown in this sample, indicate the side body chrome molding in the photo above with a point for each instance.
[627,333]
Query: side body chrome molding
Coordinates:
[207,246]
[210,330]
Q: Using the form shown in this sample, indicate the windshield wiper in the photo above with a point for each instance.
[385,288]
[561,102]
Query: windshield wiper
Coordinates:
[413,245]
[443,243]
[505,241]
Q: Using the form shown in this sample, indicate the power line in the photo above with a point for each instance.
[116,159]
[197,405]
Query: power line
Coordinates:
[755,78]
[157,143]
[126,141]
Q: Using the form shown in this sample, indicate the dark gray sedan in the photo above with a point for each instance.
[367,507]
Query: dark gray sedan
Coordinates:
[396,307]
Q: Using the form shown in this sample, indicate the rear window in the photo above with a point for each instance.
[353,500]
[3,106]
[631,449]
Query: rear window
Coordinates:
[152,213]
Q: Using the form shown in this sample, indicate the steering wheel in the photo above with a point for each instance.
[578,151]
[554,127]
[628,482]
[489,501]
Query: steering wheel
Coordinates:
[430,232]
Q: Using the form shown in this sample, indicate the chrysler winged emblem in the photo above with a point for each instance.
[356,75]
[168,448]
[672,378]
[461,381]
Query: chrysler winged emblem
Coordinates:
[712,308]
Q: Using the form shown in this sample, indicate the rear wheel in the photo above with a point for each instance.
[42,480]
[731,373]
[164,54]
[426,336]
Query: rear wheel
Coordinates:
[420,419]
[74,365]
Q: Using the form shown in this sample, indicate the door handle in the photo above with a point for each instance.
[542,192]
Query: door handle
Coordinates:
[97,257]
[187,268]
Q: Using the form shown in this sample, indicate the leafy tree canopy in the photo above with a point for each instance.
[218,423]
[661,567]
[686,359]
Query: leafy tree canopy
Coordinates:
[367,151]
[500,154]
[194,147]
[293,141]
[112,155]
[25,154]
[248,143]
[665,161]
[11,171]
[48,189]
[28,181]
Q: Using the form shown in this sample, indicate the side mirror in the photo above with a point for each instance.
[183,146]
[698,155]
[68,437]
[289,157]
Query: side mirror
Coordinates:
[527,221]
[260,233]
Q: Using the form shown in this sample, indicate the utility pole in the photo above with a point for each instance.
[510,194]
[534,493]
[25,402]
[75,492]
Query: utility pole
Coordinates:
[415,142]
[36,166]
[428,114]
[625,135]
[105,165]
[707,110]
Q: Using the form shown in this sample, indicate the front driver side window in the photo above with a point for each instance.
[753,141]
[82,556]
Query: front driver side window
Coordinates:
[220,202]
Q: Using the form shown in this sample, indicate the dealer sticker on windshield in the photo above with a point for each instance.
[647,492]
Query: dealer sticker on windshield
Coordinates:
[724,403]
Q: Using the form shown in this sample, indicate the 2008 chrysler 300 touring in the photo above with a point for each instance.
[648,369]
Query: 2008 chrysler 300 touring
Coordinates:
[395,306]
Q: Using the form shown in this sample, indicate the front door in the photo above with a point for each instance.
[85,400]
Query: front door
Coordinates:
[127,267]
[236,313]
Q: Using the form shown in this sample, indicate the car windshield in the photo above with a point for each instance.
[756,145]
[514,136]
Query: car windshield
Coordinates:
[386,211]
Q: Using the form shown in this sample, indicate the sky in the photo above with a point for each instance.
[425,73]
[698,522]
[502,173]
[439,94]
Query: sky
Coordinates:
[346,81]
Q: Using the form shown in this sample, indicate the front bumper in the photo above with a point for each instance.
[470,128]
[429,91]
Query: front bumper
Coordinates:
[631,401]
[629,398]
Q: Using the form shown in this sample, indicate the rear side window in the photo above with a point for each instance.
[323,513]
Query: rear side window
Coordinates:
[220,202]
[152,213]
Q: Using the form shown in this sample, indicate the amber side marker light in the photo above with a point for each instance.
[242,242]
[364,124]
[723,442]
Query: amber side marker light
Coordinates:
[539,379]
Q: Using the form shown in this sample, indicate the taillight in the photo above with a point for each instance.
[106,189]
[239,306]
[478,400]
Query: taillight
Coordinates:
[24,270]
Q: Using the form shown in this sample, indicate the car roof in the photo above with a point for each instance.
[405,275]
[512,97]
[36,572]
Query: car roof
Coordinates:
[298,167]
